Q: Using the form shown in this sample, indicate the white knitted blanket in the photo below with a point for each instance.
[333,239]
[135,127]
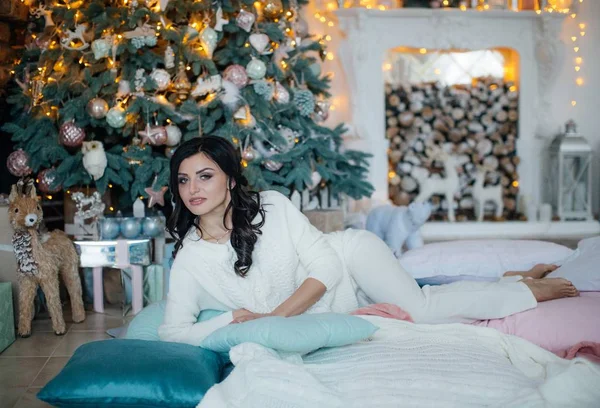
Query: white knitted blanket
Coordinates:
[410,366]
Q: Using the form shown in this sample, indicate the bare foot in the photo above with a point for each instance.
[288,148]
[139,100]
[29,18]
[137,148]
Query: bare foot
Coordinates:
[550,288]
[537,272]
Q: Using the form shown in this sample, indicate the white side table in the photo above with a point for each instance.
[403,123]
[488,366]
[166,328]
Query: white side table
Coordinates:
[134,254]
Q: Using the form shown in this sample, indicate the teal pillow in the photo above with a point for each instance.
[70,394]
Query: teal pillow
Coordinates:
[297,334]
[144,325]
[134,373]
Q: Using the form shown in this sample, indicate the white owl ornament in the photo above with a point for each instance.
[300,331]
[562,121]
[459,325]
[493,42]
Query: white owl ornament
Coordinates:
[94,158]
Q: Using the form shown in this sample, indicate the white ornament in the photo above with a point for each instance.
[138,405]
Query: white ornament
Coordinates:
[124,88]
[259,42]
[73,40]
[209,39]
[315,180]
[173,135]
[94,204]
[102,47]
[40,11]
[245,20]
[94,158]
[161,77]
[139,210]
[220,21]
[140,80]
[256,69]
[169,57]
[289,135]
[116,117]
[205,86]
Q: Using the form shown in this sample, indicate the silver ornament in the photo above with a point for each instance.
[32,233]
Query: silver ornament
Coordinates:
[153,226]
[116,117]
[169,57]
[272,165]
[88,207]
[71,135]
[161,77]
[109,228]
[173,135]
[131,227]
[97,108]
[322,111]
[256,69]
[281,94]
[208,40]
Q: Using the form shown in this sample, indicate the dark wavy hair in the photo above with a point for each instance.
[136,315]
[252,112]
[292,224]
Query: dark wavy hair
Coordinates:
[244,205]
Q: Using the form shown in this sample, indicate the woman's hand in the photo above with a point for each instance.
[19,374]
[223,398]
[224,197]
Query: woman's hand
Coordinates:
[249,316]
[240,313]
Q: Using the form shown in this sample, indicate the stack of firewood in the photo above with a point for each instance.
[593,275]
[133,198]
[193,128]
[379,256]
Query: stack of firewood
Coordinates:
[478,123]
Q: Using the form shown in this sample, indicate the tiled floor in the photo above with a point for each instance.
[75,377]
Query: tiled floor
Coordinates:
[28,364]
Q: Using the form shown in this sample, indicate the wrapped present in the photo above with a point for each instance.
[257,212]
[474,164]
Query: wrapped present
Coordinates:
[114,253]
[7,319]
[153,284]
[329,220]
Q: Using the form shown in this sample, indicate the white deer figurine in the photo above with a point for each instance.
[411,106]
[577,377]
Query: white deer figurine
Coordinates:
[40,11]
[481,194]
[447,186]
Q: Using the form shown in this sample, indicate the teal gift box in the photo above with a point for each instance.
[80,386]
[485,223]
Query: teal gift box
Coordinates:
[7,319]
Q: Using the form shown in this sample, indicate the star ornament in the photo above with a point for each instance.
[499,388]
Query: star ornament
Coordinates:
[220,21]
[156,197]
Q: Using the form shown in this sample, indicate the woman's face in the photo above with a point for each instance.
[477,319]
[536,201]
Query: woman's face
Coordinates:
[203,186]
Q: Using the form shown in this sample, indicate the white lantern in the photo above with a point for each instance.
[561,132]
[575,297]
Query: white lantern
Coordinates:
[571,178]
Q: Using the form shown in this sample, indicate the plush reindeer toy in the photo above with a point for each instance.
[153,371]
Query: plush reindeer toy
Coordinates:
[40,260]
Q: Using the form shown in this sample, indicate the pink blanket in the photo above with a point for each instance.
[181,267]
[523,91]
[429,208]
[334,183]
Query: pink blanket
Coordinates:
[567,327]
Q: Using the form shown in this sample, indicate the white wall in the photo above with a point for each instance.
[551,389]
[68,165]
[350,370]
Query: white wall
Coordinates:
[586,113]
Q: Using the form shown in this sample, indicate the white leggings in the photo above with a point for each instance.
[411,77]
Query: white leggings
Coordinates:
[380,276]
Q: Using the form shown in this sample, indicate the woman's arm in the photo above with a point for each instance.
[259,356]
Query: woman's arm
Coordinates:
[180,323]
[315,254]
[304,297]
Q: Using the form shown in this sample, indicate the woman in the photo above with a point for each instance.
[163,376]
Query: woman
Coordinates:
[256,255]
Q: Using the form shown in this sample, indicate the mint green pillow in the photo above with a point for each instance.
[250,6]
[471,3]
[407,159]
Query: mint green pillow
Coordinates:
[297,334]
[144,325]
[134,373]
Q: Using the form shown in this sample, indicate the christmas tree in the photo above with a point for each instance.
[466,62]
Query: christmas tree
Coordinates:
[108,89]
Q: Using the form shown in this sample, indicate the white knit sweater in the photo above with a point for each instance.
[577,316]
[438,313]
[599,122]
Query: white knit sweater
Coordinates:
[289,251]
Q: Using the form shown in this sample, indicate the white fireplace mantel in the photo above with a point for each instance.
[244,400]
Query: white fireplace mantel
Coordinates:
[369,34]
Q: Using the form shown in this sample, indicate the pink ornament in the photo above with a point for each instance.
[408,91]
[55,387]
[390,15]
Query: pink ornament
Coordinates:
[71,135]
[236,74]
[45,179]
[245,20]
[18,163]
[154,135]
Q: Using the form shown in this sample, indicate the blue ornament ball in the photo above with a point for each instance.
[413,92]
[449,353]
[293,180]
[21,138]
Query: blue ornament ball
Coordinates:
[131,228]
[153,227]
[109,228]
